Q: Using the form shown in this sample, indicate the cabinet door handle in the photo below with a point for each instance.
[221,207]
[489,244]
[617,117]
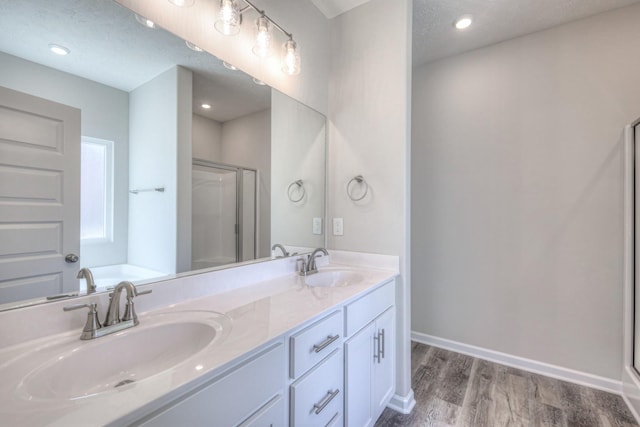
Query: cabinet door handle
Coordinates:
[324,344]
[376,350]
[318,407]
[381,340]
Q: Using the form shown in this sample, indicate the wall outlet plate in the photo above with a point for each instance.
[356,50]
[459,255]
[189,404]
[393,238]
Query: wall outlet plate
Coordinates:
[317,225]
[338,227]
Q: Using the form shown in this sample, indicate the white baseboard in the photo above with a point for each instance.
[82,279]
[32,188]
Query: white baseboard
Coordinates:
[558,372]
[402,404]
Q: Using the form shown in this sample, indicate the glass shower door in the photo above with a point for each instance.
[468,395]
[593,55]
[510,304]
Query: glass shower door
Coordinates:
[214,216]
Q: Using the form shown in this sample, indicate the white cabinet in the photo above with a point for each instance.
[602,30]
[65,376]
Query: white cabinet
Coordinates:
[317,397]
[235,398]
[370,357]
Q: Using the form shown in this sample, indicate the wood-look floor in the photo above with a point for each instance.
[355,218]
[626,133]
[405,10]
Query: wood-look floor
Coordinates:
[452,389]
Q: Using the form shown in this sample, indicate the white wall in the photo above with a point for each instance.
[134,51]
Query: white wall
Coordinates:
[298,151]
[105,115]
[156,140]
[207,138]
[309,27]
[517,193]
[369,122]
[246,141]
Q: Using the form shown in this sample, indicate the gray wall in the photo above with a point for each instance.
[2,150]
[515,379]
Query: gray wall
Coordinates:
[517,193]
[105,115]
[369,123]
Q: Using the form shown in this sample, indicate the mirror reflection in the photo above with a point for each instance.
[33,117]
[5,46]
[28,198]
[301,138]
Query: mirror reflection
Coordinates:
[141,155]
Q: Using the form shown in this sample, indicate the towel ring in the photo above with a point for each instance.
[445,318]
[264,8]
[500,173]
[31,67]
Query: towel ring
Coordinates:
[300,187]
[360,180]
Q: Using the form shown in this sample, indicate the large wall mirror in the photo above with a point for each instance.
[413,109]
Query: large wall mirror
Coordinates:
[178,162]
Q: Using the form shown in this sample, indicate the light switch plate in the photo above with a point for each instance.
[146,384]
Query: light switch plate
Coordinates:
[338,227]
[317,225]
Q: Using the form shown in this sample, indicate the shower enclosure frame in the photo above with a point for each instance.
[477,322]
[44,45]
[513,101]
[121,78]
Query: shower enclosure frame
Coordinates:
[239,229]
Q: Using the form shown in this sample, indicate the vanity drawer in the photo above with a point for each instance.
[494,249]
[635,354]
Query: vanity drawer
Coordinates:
[314,343]
[317,398]
[362,311]
[270,415]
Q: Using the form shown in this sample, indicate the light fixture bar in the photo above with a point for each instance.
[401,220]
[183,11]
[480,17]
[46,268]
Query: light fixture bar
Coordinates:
[261,12]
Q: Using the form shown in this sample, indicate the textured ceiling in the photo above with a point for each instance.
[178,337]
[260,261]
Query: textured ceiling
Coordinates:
[109,46]
[434,36]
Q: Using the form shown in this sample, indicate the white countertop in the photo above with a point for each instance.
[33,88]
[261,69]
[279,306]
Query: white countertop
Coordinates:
[260,313]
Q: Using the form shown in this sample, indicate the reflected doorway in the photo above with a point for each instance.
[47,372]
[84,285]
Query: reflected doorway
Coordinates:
[224,216]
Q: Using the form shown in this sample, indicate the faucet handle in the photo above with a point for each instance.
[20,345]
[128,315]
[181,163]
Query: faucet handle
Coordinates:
[129,310]
[303,266]
[92,324]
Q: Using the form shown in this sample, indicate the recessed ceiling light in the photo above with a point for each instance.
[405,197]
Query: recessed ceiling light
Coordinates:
[146,22]
[59,50]
[182,3]
[258,82]
[463,22]
[193,46]
[206,106]
[229,66]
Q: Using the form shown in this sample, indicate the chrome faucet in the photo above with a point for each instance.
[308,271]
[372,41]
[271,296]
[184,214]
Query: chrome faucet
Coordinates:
[113,312]
[112,322]
[309,265]
[279,246]
[86,274]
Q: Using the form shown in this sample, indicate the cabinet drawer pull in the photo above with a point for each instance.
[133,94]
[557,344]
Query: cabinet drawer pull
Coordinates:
[318,407]
[324,344]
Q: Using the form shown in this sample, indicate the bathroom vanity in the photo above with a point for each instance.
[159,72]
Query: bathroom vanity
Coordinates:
[231,349]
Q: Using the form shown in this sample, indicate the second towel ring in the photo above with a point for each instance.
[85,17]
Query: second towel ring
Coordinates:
[360,180]
[300,189]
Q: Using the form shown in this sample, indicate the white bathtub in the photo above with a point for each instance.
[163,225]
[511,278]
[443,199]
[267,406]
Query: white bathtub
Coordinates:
[111,275]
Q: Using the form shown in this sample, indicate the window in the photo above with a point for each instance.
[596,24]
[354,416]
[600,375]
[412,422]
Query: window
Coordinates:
[96,190]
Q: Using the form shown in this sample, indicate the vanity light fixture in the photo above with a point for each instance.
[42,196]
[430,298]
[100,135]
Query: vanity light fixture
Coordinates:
[144,21]
[290,58]
[59,50]
[192,46]
[229,21]
[229,18]
[463,22]
[206,106]
[262,44]
[229,66]
[182,3]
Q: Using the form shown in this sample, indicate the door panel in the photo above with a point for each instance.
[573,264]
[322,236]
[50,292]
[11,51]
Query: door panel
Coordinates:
[39,196]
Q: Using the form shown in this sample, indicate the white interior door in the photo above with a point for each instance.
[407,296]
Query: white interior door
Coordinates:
[39,196]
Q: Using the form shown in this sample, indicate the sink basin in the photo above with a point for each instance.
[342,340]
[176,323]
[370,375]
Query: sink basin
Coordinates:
[333,278]
[160,343]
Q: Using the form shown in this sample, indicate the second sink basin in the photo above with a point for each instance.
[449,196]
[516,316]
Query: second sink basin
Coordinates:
[89,368]
[333,278]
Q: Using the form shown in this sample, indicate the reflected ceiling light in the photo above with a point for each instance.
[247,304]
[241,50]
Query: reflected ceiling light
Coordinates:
[206,106]
[192,46]
[182,3]
[229,18]
[59,50]
[290,58]
[262,44]
[463,22]
[229,21]
[144,21]
[258,82]
[229,66]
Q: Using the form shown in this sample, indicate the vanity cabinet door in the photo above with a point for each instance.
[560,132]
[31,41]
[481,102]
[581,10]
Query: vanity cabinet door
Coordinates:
[359,358]
[383,373]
